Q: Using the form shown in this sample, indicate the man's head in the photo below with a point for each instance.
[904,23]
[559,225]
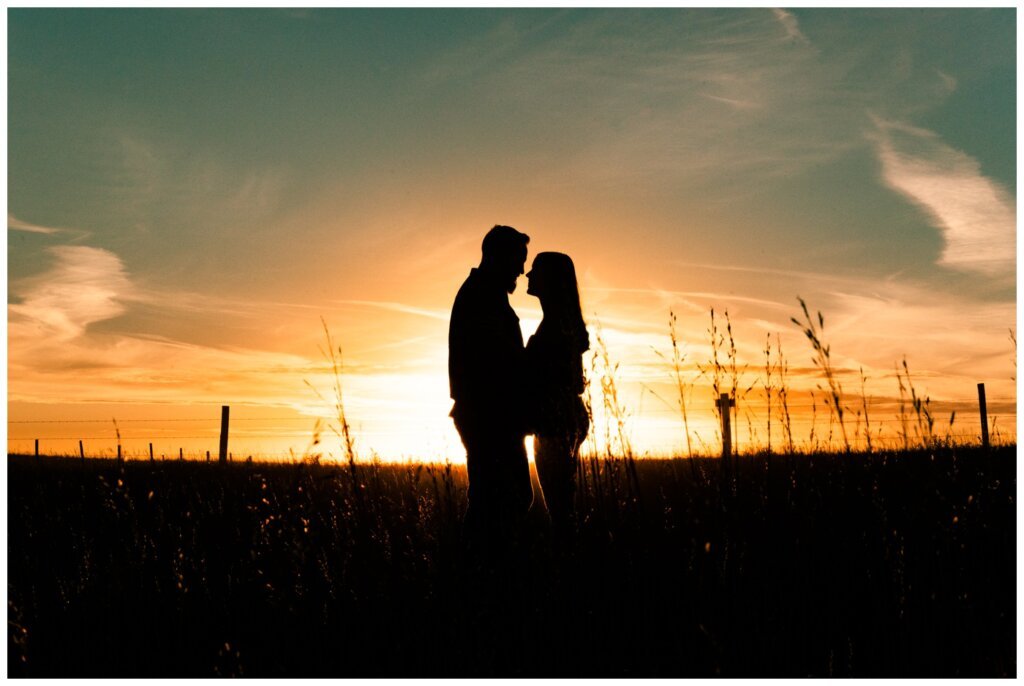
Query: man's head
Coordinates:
[504,254]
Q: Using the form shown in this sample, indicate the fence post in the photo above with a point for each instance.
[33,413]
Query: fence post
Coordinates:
[225,412]
[983,408]
[724,402]
[150,452]
[181,454]
[118,452]
[207,455]
[37,448]
[81,450]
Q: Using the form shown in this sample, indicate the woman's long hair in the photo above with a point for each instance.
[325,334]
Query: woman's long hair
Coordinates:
[563,296]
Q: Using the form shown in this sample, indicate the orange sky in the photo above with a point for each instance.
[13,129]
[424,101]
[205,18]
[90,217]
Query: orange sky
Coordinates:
[395,384]
[184,208]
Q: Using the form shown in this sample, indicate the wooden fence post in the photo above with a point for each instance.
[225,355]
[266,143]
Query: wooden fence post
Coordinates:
[37,448]
[983,408]
[150,452]
[81,450]
[724,403]
[225,412]
[207,455]
[118,452]
[181,454]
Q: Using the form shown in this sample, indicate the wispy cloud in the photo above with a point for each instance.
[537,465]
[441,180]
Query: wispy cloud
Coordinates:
[473,57]
[976,216]
[690,296]
[153,185]
[682,100]
[401,308]
[56,355]
[790,24]
[15,224]
[738,104]
[18,225]
[82,286]
[477,56]
[949,83]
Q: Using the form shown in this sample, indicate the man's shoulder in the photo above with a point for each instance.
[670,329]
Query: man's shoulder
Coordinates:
[477,292]
[467,295]
[470,284]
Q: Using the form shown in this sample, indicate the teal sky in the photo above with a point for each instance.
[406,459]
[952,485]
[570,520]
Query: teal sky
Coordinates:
[190,190]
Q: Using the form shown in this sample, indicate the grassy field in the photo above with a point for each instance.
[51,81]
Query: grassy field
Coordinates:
[884,564]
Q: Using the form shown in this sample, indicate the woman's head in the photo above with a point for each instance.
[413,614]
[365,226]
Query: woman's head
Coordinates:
[552,278]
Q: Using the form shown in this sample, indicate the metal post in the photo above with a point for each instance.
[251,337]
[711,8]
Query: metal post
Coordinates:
[984,415]
[225,412]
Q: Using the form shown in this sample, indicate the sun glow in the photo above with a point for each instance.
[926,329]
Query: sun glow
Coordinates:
[398,410]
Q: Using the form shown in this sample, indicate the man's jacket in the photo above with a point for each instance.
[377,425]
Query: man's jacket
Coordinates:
[486,359]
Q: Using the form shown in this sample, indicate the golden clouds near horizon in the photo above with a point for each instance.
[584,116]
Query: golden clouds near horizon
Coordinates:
[399,415]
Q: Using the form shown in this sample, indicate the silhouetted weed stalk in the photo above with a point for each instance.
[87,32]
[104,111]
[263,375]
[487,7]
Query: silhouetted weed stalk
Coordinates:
[341,429]
[823,360]
[683,387]
[925,422]
[608,472]
[714,369]
[615,413]
[850,423]
[783,393]
[609,439]
[864,402]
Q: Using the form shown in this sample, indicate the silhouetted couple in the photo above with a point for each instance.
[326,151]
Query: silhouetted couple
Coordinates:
[505,391]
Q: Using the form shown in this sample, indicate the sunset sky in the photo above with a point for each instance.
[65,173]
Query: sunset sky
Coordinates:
[190,191]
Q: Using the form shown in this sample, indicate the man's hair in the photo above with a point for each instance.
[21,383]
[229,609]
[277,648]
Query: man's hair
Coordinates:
[503,240]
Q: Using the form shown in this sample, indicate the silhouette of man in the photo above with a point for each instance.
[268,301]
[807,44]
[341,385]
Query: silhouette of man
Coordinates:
[486,365]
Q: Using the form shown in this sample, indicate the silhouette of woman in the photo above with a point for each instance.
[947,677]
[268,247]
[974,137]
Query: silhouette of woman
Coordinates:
[554,356]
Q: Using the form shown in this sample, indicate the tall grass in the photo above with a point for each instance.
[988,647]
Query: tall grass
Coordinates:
[678,359]
[683,387]
[850,419]
[714,369]
[615,410]
[925,422]
[618,445]
[725,373]
[817,566]
[783,394]
[823,360]
[864,402]
[338,423]
[899,563]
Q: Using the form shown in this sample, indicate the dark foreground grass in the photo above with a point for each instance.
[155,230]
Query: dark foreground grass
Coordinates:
[823,565]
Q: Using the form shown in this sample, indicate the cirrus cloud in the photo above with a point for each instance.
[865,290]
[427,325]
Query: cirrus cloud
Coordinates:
[80,288]
[976,216]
